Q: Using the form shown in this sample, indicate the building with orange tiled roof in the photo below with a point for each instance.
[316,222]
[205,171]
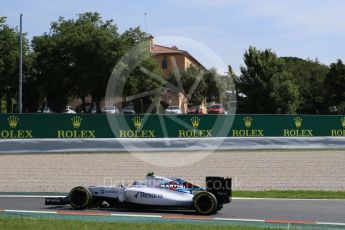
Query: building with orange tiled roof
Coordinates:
[169,58]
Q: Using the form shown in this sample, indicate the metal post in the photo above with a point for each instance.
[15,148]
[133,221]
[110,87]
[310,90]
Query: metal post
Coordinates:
[21,65]
[145,22]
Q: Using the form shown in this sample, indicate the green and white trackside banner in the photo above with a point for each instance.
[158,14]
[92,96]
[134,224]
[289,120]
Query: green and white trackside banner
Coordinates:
[28,126]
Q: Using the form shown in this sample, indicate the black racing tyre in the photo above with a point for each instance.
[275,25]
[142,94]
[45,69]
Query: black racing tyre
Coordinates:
[80,198]
[205,203]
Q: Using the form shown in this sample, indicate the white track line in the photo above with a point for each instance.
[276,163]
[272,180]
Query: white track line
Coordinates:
[233,219]
[159,216]
[55,212]
[135,215]
[28,211]
[326,223]
[282,199]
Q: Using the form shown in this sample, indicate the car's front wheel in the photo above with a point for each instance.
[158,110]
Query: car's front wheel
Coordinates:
[80,198]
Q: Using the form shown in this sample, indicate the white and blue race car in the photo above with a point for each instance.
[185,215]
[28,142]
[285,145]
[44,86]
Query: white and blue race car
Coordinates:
[155,192]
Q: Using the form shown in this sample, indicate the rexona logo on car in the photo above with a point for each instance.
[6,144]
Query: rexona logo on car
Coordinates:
[195,131]
[138,131]
[298,132]
[76,133]
[148,195]
[248,131]
[13,132]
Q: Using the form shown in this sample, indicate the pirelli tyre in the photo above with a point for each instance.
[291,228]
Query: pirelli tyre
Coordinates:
[80,198]
[205,203]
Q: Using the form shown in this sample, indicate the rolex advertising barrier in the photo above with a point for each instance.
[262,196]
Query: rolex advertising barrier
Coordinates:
[49,131]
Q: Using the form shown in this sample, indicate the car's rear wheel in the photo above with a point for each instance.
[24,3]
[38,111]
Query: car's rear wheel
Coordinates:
[80,198]
[205,203]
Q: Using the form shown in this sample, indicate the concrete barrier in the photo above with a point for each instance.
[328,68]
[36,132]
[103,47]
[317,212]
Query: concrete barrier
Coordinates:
[171,144]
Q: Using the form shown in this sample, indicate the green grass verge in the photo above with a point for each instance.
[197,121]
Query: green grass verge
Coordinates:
[35,223]
[291,194]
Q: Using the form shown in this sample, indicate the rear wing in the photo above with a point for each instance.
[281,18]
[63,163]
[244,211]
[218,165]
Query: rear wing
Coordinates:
[220,187]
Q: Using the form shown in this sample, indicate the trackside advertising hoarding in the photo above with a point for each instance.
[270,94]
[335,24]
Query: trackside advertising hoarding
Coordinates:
[27,126]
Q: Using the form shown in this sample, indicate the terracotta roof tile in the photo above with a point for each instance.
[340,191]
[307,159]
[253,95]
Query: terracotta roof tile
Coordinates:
[157,49]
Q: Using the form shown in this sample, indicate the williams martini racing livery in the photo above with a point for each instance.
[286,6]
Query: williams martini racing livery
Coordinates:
[155,192]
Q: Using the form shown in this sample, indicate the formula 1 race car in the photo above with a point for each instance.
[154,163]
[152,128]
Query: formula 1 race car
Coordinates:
[155,192]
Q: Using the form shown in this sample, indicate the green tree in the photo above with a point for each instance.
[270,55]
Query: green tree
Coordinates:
[76,58]
[310,76]
[133,37]
[218,86]
[138,82]
[193,84]
[267,85]
[9,62]
[199,84]
[335,87]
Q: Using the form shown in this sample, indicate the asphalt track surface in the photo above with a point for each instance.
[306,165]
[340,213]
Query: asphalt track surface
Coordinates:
[283,210]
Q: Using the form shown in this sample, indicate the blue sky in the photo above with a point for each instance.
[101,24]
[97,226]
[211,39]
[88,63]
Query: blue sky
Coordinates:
[302,28]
